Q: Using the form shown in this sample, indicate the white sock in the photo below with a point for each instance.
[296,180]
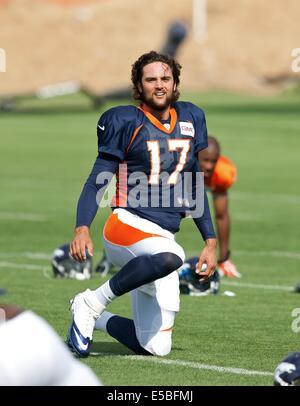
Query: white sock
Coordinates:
[104,294]
[101,322]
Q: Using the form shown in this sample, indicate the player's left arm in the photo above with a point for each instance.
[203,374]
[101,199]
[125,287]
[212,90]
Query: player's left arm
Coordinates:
[204,223]
[208,255]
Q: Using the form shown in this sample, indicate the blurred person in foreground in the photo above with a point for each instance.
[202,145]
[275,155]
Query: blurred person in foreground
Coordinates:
[219,175]
[34,355]
[151,146]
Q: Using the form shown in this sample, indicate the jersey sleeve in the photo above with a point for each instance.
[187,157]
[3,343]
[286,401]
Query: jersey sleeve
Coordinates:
[114,130]
[199,122]
[224,175]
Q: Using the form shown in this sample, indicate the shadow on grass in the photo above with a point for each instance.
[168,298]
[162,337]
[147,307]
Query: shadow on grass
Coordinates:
[109,348]
[115,348]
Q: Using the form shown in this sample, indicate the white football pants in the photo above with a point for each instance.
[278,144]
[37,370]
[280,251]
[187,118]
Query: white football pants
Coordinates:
[155,304]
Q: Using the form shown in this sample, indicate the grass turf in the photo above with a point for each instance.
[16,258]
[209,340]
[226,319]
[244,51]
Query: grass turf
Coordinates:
[46,154]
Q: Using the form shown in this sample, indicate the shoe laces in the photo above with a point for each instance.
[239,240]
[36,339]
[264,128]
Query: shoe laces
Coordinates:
[89,321]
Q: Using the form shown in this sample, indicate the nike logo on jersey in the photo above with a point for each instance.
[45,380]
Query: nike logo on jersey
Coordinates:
[187,128]
[102,127]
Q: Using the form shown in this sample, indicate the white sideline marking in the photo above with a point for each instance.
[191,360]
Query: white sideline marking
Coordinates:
[244,253]
[29,255]
[21,216]
[4,264]
[238,253]
[37,255]
[44,256]
[197,365]
[257,286]
[45,270]
[267,197]
[276,254]
[188,364]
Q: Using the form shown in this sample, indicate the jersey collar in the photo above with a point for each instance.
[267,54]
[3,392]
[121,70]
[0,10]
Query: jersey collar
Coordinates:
[157,123]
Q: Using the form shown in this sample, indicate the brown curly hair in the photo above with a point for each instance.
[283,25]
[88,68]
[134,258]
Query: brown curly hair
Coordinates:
[145,59]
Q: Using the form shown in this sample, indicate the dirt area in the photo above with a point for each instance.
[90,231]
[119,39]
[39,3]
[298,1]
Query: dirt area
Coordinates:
[96,41]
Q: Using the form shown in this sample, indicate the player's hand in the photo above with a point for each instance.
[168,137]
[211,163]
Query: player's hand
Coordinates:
[208,256]
[228,268]
[81,244]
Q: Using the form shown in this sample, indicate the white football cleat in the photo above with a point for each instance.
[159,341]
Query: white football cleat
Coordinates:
[86,309]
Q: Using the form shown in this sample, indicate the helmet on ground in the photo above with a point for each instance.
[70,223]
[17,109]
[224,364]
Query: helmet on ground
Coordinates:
[65,266]
[104,267]
[287,372]
[190,284]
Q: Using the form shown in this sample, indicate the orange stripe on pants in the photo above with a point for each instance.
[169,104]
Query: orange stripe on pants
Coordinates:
[123,234]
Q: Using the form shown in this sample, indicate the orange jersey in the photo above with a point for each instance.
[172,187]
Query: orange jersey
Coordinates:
[223,177]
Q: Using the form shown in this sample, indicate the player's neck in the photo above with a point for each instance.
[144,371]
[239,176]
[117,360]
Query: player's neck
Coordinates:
[161,115]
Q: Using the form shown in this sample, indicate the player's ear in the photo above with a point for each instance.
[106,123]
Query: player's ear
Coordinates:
[139,86]
[175,87]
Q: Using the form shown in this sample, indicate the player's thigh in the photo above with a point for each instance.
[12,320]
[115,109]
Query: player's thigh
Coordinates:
[120,255]
[127,236]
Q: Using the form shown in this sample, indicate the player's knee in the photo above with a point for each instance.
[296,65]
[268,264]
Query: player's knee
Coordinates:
[167,261]
[172,261]
[160,345]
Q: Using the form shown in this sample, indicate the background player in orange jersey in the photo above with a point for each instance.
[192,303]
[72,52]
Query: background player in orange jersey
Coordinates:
[220,173]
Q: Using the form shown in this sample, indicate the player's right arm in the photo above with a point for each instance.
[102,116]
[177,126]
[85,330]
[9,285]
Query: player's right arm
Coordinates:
[114,132]
[88,203]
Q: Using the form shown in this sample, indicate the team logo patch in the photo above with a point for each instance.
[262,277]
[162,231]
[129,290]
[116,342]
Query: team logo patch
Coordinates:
[187,128]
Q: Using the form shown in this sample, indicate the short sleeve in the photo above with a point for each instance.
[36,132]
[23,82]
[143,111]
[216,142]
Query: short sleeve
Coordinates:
[200,127]
[224,175]
[114,130]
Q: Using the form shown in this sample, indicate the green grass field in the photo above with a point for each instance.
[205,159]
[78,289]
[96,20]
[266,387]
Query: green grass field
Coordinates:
[46,153]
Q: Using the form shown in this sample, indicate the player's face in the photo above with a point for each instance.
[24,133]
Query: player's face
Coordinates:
[157,85]
[208,160]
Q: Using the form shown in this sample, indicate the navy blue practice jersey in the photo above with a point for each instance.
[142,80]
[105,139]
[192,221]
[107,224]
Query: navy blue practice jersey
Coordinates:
[154,158]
